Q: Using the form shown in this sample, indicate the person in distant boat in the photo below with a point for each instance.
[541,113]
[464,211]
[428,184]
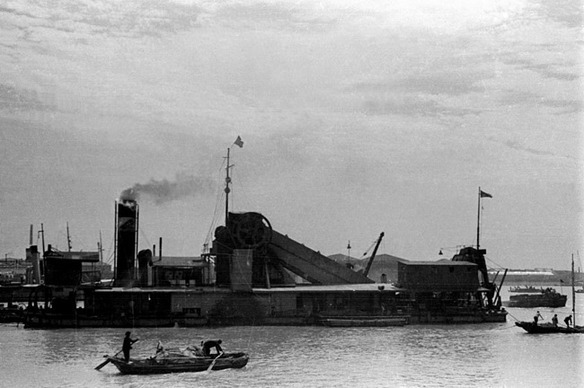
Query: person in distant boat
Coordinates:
[536,318]
[207,345]
[555,320]
[568,321]
[127,346]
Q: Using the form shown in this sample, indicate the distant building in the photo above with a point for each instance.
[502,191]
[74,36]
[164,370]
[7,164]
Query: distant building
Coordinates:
[539,275]
[13,270]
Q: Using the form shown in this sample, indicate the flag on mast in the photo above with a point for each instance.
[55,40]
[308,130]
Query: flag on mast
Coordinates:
[485,195]
[238,142]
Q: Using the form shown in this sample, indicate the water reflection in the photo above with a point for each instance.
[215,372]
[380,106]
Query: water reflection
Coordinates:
[411,356]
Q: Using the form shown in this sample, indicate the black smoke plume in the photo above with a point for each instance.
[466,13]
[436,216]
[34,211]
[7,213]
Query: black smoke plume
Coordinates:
[162,191]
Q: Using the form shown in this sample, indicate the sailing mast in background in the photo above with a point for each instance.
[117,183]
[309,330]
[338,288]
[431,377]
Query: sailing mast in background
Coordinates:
[482,194]
[573,295]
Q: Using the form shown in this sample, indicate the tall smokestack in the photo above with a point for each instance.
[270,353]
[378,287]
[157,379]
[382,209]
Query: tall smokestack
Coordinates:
[126,241]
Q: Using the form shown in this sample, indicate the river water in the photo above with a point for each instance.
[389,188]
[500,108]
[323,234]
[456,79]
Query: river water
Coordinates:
[485,355]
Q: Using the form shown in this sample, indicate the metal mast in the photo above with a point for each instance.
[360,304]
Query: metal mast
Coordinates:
[481,195]
[573,295]
[479,220]
[238,142]
[227,189]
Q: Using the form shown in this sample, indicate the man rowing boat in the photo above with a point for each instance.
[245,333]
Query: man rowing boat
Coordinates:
[207,345]
[127,346]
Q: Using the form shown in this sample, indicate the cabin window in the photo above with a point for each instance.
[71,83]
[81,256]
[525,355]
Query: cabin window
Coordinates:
[192,310]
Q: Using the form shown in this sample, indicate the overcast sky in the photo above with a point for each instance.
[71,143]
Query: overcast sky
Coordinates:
[357,117]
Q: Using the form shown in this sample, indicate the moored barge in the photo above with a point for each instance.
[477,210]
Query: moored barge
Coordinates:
[545,298]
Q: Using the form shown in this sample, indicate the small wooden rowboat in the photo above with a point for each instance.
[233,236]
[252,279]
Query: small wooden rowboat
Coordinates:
[546,328]
[153,365]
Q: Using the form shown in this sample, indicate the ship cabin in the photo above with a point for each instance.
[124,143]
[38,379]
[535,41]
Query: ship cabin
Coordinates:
[60,278]
[443,290]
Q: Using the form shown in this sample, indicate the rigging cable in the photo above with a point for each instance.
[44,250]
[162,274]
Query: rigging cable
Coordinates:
[499,265]
[369,249]
[214,220]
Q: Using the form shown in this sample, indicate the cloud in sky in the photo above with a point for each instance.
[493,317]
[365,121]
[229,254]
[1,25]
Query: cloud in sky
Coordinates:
[515,145]
[132,19]
[14,100]
[564,106]
[363,116]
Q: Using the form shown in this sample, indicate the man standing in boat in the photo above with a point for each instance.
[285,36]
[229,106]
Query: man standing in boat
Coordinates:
[536,318]
[555,320]
[127,346]
[568,321]
[207,345]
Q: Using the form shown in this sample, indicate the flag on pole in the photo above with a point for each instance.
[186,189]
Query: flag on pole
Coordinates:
[485,195]
[238,142]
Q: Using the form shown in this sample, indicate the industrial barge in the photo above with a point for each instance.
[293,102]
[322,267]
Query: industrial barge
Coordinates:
[253,275]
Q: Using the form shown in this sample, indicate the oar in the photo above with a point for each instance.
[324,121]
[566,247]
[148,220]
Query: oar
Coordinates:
[213,363]
[108,359]
[106,362]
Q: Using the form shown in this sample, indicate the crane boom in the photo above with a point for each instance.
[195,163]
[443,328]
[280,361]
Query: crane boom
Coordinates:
[373,254]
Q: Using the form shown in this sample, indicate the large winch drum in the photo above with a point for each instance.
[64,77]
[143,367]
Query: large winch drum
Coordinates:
[250,230]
